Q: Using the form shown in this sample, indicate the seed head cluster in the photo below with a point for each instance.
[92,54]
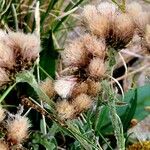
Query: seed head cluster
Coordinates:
[117,28]
[106,27]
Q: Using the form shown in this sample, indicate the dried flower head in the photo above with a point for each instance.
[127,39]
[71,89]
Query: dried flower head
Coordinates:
[82,102]
[18,51]
[4,78]
[147,36]
[94,45]
[74,54]
[64,86]
[48,87]
[141,20]
[4,39]
[107,9]
[93,88]
[7,59]
[3,146]
[2,114]
[28,45]
[96,68]
[134,8]
[65,110]
[18,129]
[123,31]
[96,22]
[79,88]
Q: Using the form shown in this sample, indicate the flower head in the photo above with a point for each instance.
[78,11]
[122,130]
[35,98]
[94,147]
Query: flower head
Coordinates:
[7,59]
[79,88]
[134,8]
[74,54]
[97,23]
[18,129]
[48,87]
[93,87]
[65,110]
[94,45]
[28,45]
[107,9]
[64,86]
[123,31]
[147,36]
[82,102]
[141,18]
[96,68]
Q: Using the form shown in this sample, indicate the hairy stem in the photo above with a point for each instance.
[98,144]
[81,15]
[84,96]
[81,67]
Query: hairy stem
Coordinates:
[117,125]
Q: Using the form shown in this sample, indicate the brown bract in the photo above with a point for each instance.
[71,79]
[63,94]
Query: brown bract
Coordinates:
[93,87]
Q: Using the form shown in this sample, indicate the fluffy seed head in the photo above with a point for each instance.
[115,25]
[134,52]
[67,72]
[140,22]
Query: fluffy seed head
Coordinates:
[48,87]
[4,78]
[74,54]
[93,88]
[4,37]
[107,9]
[64,86]
[147,36]
[123,31]
[65,110]
[134,9]
[79,88]
[2,114]
[95,46]
[7,58]
[97,23]
[82,102]
[89,12]
[3,146]
[26,44]
[18,129]
[96,68]
[141,20]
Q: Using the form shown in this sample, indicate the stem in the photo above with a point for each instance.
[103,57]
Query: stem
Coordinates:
[117,125]
[15,16]
[7,92]
[37,31]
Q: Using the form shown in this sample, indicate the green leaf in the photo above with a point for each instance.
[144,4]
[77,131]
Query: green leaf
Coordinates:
[46,14]
[69,7]
[47,141]
[48,57]
[130,111]
[137,100]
